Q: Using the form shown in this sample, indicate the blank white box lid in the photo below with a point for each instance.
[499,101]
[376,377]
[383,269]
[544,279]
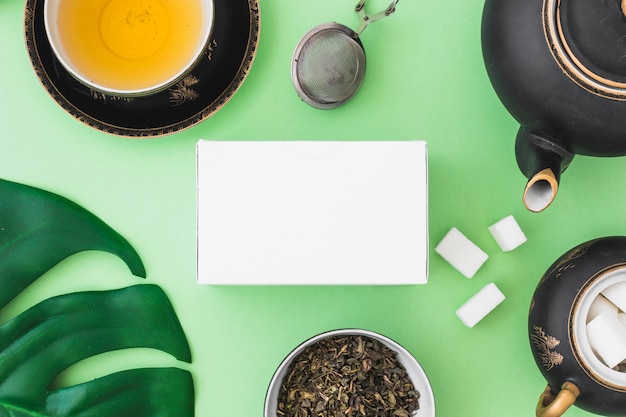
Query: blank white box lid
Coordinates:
[312,213]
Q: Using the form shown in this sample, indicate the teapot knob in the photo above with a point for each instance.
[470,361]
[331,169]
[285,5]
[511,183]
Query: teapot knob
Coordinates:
[550,405]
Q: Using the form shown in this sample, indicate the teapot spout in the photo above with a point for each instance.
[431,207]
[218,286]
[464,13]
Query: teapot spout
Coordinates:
[541,190]
[542,162]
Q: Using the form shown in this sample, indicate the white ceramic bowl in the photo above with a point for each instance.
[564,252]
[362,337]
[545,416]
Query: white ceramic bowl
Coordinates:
[413,368]
[200,41]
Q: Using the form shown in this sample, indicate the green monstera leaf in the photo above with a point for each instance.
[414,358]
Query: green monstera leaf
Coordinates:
[39,229]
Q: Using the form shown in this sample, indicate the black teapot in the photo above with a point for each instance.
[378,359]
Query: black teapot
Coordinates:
[563,305]
[559,68]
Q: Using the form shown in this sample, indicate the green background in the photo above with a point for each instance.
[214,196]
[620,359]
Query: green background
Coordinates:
[425,80]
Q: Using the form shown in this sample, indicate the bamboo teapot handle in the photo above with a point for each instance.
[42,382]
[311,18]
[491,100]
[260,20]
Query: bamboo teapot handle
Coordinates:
[550,405]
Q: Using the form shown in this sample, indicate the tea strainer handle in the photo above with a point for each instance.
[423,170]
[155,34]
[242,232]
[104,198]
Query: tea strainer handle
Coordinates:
[550,405]
[366,19]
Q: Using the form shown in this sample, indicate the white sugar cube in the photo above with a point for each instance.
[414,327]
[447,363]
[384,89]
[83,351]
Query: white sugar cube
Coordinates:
[481,304]
[507,233]
[461,253]
[599,305]
[616,294]
[607,336]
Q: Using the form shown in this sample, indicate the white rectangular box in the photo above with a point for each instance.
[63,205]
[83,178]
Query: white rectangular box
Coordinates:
[312,213]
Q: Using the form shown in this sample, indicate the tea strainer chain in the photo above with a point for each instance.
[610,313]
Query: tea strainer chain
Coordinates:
[367,19]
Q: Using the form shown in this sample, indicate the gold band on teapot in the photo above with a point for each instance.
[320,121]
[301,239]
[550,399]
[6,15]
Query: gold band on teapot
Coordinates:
[569,62]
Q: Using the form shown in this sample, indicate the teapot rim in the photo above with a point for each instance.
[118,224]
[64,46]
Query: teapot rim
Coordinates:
[586,358]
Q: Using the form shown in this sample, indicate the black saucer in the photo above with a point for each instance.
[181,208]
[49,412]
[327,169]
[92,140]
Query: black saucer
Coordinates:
[212,82]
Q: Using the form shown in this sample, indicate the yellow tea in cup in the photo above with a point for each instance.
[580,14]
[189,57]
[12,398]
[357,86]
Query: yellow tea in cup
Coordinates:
[128,46]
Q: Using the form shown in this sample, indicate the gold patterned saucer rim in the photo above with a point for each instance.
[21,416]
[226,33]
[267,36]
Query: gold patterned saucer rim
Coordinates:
[206,89]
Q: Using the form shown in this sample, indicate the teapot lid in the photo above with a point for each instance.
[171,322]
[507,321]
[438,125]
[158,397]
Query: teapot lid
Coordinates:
[588,40]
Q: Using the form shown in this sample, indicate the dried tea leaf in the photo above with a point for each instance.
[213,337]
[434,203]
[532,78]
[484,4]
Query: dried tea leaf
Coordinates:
[349,376]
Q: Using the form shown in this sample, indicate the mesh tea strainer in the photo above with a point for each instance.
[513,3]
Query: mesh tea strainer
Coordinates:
[328,65]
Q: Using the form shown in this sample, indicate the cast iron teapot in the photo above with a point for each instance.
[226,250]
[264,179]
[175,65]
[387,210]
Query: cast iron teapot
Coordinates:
[568,297]
[559,68]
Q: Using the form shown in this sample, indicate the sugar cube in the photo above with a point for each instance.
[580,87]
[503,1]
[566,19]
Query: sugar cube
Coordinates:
[607,336]
[481,304]
[599,305]
[616,294]
[461,253]
[507,233]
